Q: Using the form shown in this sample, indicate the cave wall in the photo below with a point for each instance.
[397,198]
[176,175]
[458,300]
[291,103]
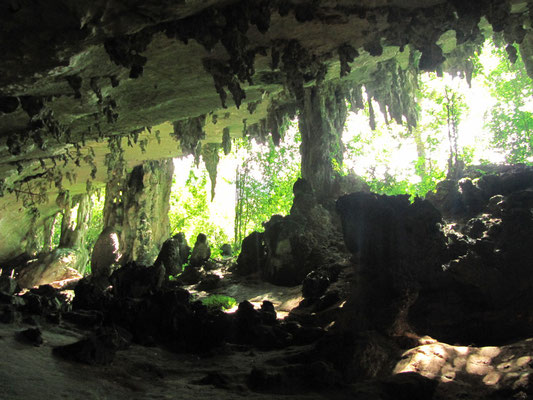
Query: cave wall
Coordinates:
[82,81]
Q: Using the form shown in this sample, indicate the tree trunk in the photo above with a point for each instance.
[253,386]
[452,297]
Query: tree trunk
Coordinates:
[421,169]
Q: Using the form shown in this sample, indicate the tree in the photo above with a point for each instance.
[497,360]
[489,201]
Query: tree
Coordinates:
[264,181]
[441,108]
[189,210]
[511,119]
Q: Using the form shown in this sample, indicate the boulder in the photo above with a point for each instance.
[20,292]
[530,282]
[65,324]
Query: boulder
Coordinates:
[97,349]
[252,256]
[190,275]
[106,252]
[200,252]
[485,293]
[32,336]
[184,249]
[398,247]
[227,250]
[208,283]
[53,268]
[134,280]
[169,257]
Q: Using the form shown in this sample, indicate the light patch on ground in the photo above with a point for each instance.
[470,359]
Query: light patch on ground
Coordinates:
[459,366]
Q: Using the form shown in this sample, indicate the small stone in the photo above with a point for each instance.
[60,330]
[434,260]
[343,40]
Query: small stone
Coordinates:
[208,283]
[31,336]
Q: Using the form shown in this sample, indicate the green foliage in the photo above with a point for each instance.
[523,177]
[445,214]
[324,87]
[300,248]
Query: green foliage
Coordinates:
[510,120]
[96,223]
[57,230]
[419,149]
[264,181]
[189,210]
[219,302]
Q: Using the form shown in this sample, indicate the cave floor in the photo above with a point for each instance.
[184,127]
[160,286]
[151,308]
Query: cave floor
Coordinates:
[254,290]
[31,372]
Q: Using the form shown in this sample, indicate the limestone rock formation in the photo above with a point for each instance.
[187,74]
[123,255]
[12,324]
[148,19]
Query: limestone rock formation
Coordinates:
[106,252]
[200,252]
[291,246]
[226,250]
[169,257]
[137,203]
[135,281]
[52,268]
[465,283]
[8,285]
[105,93]
[454,284]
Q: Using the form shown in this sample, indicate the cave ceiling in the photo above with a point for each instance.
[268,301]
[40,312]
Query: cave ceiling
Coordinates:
[83,82]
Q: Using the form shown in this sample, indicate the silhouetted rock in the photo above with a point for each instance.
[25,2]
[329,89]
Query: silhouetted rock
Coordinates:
[190,275]
[133,280]
[209,282]
[291,246]
[252,256]
[97,349]
[184,248]
[400,249]
[91,295]
[31,336]
[227,250]
[169,257]
[8,285]
[200,252]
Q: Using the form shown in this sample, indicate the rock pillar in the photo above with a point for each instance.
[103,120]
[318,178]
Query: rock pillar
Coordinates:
[137,206]
[322,118]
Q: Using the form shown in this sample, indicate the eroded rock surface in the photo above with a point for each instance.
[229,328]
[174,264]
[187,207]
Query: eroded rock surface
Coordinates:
[464,283]
[53,268]
[294,245]
[106,252]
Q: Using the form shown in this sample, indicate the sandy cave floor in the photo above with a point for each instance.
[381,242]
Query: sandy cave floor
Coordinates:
[29,372]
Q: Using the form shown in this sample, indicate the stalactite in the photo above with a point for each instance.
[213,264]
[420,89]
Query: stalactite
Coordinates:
[189,132]
[226,141]
[394,89]
[211,159]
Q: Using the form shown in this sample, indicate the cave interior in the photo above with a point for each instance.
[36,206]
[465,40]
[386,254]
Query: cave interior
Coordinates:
[351,295]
